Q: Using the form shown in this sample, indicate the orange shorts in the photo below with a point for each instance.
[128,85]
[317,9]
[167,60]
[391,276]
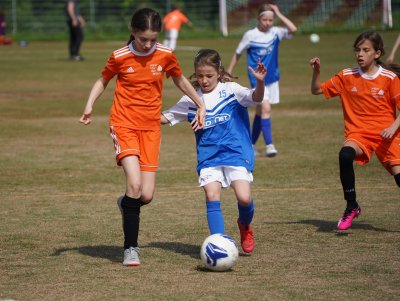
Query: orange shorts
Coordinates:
[387,151]
[143,144]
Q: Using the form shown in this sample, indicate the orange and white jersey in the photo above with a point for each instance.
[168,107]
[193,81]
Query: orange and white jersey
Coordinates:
[369,102]
[174,20]
[140,77]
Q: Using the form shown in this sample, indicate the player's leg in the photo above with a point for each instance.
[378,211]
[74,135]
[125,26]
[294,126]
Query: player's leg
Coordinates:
[347,156]
[396,174]
[130,208]
[212,180]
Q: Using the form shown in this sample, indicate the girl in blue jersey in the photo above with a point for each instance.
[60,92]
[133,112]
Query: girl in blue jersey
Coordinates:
[262,43]
[225,155]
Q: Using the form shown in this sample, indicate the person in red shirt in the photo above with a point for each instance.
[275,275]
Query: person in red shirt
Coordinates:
[370,95]
[135,117]
[172,25]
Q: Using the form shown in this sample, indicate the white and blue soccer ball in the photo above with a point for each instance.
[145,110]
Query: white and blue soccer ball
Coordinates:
[219,252]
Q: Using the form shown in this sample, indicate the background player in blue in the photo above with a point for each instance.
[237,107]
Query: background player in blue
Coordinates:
[262,43]
[225,155]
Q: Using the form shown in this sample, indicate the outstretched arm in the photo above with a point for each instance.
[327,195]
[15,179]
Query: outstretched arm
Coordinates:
[315,64]
[232,64]
[289,24]
[97,89]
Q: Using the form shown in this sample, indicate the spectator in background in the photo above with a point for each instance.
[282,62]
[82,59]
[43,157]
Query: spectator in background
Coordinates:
[392,54]
[3,39]
[172,24]
[75,23]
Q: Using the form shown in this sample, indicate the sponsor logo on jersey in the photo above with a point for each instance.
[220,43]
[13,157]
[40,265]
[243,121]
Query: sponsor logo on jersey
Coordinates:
[377,93]
[130,70]
[216,120]
[156,69]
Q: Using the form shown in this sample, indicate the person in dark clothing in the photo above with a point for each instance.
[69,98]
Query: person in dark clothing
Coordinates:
[76,24]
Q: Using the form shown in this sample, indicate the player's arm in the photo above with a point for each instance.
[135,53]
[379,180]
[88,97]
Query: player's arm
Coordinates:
[71,13]
[97,89]
[259,74]
[392,54]
[289,24]
[234,60]
[315,64]
[186,87]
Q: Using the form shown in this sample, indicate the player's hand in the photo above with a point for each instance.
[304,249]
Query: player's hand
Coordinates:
[260,71]
[315,63]
[85,119]
[199,119]
[389,132]
[274,8]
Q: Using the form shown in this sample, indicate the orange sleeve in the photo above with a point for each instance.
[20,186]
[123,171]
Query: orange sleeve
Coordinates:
[173,68]
[110,69]
[395,91]
[333,87]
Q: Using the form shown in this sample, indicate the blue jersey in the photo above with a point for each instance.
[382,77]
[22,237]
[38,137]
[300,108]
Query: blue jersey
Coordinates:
[225,139]
[263,46]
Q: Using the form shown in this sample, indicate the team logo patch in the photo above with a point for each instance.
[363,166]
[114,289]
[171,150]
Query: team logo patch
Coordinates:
[156,69]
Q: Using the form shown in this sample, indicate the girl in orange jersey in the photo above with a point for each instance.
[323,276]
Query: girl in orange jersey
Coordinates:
[135,124]
[369,94]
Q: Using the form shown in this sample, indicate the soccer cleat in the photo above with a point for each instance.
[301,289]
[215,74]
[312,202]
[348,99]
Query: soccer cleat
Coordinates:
[256,152]
[271,151]
[246,237]
[347,218]
[131,257]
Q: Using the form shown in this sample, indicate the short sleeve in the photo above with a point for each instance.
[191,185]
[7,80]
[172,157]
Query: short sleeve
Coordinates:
[395,91]
[244,43]
[243,95]
[110,69]
[333,87]
[283,33]
[180,111]
[173,68]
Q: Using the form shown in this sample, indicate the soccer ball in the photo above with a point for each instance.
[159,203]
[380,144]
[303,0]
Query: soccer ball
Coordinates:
[314,38]
[219,252]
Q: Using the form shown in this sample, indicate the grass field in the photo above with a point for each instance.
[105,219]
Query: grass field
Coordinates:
[60,229]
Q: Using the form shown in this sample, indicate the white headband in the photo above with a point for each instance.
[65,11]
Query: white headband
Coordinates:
[265,12]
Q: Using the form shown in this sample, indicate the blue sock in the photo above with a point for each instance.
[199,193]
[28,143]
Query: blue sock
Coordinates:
[215,218]
[256,129]
[246,213]
[267,130]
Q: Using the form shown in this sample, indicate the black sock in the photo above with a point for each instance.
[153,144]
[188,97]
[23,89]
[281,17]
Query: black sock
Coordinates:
[346,158]
[397,179]
[131,220]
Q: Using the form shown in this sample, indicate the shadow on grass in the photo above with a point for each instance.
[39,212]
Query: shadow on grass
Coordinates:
[177,247]
[330,226]
[112,253]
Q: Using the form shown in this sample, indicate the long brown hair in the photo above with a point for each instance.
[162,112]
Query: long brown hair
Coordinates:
[145,19]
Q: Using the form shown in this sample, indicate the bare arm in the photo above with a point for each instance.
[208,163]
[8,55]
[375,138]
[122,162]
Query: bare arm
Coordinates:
[315,63]
[232,64]
[259,74]
[186,87]
[71,13]
[164,120]
[97,89]
[392,54]
[289,24]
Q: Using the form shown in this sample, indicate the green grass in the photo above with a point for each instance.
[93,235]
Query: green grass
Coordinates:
[61,231]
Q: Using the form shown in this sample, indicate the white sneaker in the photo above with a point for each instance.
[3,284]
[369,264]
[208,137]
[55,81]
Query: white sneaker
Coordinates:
[256,152]
[131,257]
[271,151]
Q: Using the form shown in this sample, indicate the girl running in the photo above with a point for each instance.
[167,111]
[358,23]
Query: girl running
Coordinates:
[224,151]
[135,115]
[369,94]
[262,43]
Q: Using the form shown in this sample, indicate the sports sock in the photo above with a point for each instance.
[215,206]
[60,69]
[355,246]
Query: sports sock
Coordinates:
[131,220]
[266,127]
[397,179]
[215,218]
[255,133]
[346,158]
[246,213]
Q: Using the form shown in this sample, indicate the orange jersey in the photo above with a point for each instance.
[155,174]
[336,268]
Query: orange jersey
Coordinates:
[174,20]
[369,102]
[140,77]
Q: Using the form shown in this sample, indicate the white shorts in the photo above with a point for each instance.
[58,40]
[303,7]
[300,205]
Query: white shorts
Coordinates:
[224,174]
[271,93]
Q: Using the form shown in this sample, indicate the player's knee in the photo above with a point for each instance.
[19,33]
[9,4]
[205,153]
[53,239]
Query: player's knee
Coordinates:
[347,155]
[146,198]
[397,179]
[212,195]
[134,188]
